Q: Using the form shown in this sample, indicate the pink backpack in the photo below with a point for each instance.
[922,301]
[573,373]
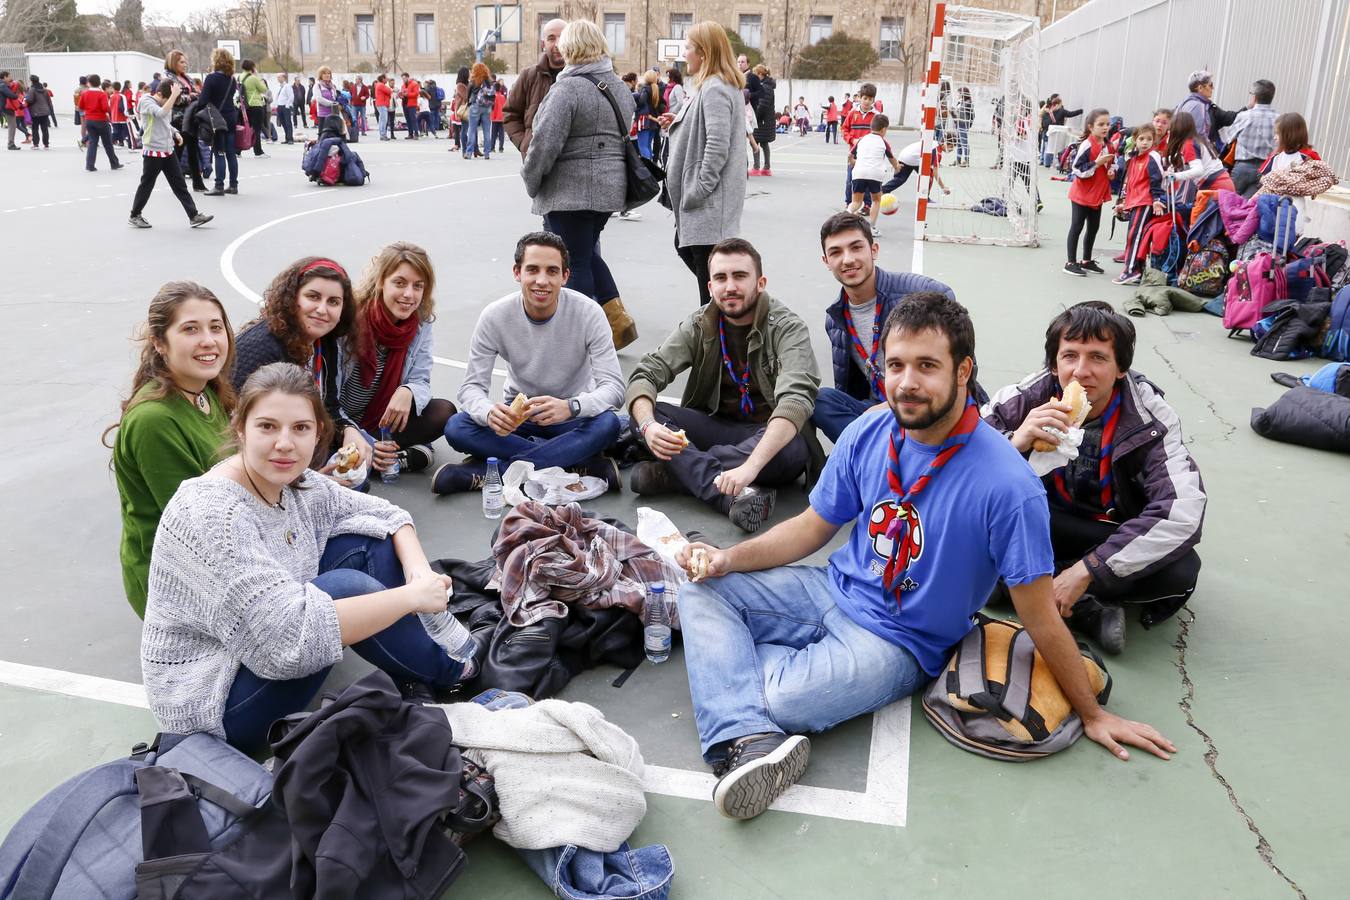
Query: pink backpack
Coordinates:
[1257,282]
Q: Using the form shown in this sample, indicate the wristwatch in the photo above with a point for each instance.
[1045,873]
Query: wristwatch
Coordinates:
[575,406]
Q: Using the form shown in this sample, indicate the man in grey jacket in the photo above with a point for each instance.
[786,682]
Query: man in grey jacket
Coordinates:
[752,387]
[1125,516]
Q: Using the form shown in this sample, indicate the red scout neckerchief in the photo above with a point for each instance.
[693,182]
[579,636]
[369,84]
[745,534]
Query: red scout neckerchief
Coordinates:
[743,380]
[1111,419]
[871,358]
[960,436]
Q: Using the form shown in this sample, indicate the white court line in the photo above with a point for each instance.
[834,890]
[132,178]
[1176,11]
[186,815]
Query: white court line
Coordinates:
[884,802]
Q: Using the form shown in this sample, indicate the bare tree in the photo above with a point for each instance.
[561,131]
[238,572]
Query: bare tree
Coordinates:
[43,25]
[386,42]
[282,37]
[913,49]
[250,17]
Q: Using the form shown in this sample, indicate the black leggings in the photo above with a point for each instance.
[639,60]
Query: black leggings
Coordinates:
[1092,216]
[696,258]
[426,426]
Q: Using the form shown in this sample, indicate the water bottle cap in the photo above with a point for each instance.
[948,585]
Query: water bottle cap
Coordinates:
[657,587]
[492,461]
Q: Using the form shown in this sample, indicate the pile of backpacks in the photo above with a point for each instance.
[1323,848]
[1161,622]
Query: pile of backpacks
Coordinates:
[329,161]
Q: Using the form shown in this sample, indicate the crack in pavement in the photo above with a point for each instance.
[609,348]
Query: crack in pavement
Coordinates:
[1263,848]
[1229,427]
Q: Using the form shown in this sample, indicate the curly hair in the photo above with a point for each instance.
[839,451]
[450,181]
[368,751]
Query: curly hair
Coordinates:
[153,369]
[279,301]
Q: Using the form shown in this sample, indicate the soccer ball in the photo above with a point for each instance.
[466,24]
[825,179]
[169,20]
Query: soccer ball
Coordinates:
[889,205]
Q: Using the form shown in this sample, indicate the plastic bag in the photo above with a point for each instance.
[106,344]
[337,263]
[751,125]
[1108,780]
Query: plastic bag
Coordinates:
[655,529]
[1045,462]
[353,477]
[552,486]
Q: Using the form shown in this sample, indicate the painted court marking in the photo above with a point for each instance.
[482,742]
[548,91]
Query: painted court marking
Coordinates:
[884,802]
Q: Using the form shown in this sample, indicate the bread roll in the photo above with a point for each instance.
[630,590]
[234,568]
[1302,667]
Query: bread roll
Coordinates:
[347,459]
[698,564]
[682,437]
[518,405]
[1079,408]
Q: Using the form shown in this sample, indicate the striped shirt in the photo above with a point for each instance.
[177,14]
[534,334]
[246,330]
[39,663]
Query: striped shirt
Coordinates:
[356,395]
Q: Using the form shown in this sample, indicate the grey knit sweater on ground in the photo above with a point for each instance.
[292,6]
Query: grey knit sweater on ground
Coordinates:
[229,586]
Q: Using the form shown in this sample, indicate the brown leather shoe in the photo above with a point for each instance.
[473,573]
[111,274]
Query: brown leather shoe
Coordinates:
[622,328]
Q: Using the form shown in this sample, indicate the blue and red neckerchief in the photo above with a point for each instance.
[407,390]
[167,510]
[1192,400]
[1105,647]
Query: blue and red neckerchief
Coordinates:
[893,580]
[872,372]
[742,381]
[1110,419]
[318,365]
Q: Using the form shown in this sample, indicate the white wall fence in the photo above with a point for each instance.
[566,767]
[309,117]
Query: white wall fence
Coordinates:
[1133,56]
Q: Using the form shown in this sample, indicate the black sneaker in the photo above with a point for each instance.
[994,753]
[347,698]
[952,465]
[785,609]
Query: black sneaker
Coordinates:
[1104,623]
[418,458]
[1073,268]
[652,478]
[200,219]
[232,189]
[1090,265]
[138,222]
[216,192]
[752,507]
[1284,379]
[604,468]
[458,478]
[758,769]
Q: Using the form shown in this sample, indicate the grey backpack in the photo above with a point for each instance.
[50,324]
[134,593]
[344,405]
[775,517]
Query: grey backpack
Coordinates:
[998,698]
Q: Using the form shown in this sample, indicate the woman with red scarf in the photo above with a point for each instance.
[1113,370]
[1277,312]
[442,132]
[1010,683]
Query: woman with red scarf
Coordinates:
[385,365]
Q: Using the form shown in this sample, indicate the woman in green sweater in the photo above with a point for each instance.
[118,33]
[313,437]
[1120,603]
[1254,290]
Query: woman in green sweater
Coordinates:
[176,420]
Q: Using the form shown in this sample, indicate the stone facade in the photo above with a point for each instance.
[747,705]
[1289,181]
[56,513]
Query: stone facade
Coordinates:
[779,28]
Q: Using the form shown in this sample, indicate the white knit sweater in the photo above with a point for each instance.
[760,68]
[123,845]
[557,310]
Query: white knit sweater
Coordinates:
[229,586]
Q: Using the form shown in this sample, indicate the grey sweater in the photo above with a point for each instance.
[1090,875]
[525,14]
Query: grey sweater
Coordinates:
[230,587]
[155,128]
[576,155]
[569,356]
[705,171]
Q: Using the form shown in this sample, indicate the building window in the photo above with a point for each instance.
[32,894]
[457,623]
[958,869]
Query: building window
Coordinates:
[425,27]
[615,35]
[956,49]
[543,19]
[751,31]
[680,23]
[892,34]
[821,27]
[365,34]
[308,27]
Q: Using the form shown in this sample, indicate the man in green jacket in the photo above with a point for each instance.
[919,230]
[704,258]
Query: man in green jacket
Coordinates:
[737,433]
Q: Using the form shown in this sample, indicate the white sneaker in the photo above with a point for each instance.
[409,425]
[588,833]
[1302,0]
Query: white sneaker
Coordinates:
[630,216]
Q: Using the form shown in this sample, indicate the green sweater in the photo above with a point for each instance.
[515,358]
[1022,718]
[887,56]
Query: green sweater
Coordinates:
[255,90]
[159,444]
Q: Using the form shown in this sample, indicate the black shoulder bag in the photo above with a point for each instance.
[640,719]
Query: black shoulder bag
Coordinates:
[644,176]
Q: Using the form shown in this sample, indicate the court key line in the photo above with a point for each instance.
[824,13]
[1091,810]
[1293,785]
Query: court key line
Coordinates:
[884,802]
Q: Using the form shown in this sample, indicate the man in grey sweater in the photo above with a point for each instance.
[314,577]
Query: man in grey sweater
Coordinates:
[560,356]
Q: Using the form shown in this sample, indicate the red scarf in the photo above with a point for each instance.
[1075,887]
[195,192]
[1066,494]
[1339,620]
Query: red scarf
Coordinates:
[396,338]
[893,578]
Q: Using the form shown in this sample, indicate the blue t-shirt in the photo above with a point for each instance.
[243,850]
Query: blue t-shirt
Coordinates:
[982,517]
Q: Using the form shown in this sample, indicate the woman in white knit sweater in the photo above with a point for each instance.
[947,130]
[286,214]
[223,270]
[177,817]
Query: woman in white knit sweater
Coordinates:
[262,571]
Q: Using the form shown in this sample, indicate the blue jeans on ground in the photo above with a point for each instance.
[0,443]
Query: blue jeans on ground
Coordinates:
[565,444]
[580,231]
[227,159]
[574,873]
[98,132]
[479,120]
[835,410]
[352,565]
[771,651]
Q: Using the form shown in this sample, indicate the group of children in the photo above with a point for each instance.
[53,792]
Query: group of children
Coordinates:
[874,170]
[1150,171]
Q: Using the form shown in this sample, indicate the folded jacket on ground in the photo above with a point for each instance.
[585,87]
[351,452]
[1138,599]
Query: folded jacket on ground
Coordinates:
[1154,295]
[1306,416]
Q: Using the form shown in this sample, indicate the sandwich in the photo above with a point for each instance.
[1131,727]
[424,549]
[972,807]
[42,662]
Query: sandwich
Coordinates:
[348,458]
[1079,407]
[518,406]
[698,564]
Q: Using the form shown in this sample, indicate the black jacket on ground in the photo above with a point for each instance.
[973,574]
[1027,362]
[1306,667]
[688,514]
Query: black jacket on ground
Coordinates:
[1307,416]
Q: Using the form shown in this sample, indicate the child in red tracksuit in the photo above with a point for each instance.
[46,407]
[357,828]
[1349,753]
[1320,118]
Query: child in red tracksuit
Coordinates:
[1093,168]
[1143,199]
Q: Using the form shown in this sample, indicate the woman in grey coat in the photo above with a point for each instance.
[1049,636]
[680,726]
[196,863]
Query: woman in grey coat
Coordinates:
[575,169]
[705,170]
[40,108]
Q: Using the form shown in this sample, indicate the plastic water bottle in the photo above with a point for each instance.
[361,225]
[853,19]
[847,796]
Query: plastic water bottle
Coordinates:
[656,623]
[492,490]
[389,475]
[452,637]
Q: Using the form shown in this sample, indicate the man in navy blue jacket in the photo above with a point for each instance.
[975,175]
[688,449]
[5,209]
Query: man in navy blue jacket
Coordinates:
[853,322]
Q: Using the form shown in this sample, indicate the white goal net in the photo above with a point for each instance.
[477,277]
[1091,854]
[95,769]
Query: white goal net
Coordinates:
[986,125]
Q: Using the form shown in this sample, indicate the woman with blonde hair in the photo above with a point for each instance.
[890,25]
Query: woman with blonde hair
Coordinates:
[220,90]
[705,167]
[482,95]
[325,96]
[175,419]
[574,168]
[385,363]
[648,99]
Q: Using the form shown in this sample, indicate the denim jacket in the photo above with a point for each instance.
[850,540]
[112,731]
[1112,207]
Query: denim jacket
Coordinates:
[416,370]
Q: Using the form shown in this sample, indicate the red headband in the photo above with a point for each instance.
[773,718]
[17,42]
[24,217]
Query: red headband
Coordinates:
[325,264]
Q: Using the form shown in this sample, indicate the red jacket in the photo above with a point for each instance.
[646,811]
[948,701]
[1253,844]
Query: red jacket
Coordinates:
[117,109]
[410,92]
[1091,187]
[857,124]
[498,105]
[1143,180]
[360,95]
[382,93]
[94,105]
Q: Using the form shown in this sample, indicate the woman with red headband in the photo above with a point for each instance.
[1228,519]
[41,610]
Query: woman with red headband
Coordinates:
[306,309]
[386,361]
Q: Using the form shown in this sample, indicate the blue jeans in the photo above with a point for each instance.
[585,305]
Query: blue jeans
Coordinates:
[565,444]
[229,158]
[352,565]
[962,143]
[410,119]
[360,119]
[574,873]
[382,116]
[580,230]
[479,120]
[97,133]
[848,190]
[771,651]
[835,410]
[284,117]
[644,142]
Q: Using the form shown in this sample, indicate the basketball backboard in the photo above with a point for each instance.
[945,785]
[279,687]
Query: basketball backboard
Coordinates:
[670,50]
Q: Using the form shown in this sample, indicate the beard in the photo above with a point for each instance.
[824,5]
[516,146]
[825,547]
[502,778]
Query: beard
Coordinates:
[744,304]
[927,416]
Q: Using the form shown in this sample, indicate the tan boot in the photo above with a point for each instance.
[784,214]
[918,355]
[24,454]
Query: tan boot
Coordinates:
[621,325]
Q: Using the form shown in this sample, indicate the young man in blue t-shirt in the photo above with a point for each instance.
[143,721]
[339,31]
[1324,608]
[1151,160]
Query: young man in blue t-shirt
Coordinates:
[943,506]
